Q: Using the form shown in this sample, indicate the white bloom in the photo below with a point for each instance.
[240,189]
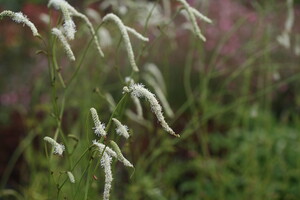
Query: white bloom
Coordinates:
[124,33]
[121,129]
[71,177]
[99,127]
[19,17]
[106,149]
[140,91]
[106,164]
[64,43]
[58,148]
[69,29]
[192,13]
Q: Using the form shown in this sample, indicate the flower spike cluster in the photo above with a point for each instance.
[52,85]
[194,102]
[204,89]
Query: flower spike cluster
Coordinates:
[124,32]
[58,148]
[69,28]
[138,90]
[19,17]
[99,128]
[193,13]
[64,42]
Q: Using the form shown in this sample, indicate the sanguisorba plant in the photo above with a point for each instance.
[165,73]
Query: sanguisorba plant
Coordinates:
[103,146]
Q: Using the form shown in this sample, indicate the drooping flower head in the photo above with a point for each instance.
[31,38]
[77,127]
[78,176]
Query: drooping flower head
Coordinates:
[58,148]
[19,17]
[140,91]
[64,43]
[193,13]
[121,129]
[124,32]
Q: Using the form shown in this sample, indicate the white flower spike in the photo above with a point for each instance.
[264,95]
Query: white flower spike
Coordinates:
[121,129]
[19,17]
[193,13]
[124,32]
[140,91]
[64,43]
[106,164]
[58,148]
[99,128]
[71,177]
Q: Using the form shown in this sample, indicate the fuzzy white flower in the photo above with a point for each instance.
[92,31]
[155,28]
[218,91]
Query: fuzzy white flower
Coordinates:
[106,164]
[124,33]
[19,17]
[99,128]
[193,13]
[120,156]
[64,43]
[121,129]
[58,148]
[71,177]
[140,91]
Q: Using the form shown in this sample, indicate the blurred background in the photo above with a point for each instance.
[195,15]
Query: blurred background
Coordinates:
[234,100]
